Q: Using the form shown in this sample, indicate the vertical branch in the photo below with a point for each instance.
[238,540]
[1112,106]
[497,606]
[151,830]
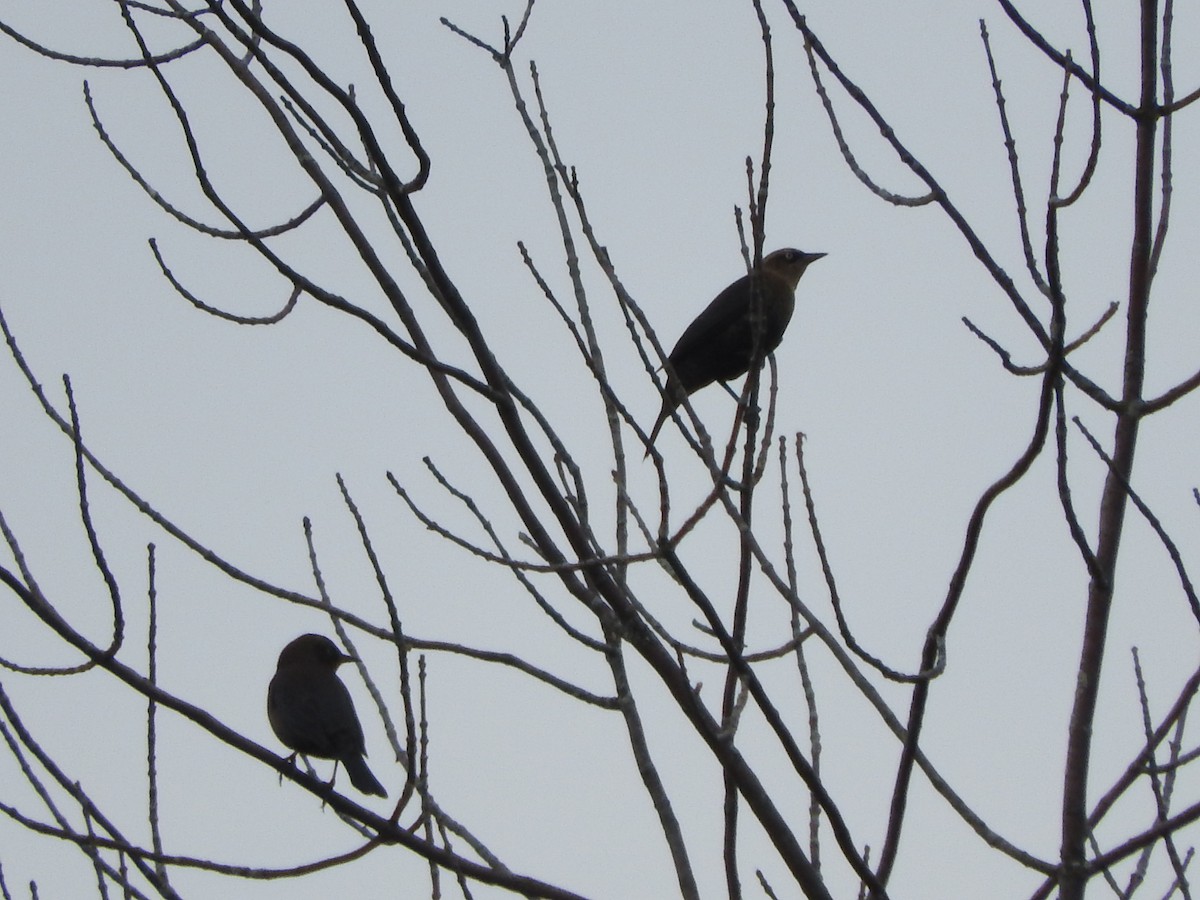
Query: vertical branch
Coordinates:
[758,212]
[1114,498]
[758,208]
[422,771]
[152,718]
[729,704]
[810,696]
[1168,98]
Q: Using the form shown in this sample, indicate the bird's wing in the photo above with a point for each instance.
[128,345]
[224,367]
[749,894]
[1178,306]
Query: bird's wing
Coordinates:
[342,722]
[314,716]
[724,312]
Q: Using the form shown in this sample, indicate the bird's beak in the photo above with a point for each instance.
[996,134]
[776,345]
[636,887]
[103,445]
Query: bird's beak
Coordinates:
[813,257]
[347,658]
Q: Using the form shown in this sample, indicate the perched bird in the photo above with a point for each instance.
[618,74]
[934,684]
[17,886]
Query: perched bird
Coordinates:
[311,711]
[721,343]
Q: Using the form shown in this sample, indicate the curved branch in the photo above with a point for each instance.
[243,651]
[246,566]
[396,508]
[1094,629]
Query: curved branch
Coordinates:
[1014,168]
[173,211]
[98,62]
[935,640]
[212,310]
[1064,61]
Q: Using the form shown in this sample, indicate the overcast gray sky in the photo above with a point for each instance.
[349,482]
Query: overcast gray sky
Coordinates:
[236,433]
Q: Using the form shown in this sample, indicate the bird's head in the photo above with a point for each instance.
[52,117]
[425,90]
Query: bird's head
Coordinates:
[789,264]
[313,650]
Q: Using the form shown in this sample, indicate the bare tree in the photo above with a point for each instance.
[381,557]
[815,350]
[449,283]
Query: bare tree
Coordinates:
[616,561]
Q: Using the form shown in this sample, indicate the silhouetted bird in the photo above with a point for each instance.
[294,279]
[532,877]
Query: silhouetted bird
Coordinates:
[720,344]
[311,711]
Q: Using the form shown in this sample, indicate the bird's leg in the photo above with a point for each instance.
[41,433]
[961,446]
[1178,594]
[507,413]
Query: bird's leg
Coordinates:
[288,760]
[329,784]
[737,396]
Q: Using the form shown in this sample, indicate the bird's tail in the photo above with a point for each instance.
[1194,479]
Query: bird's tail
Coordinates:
[361,777]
